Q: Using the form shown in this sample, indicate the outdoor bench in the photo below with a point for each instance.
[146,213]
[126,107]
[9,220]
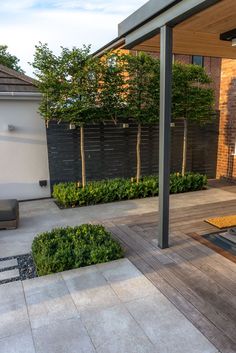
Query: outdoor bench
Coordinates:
[9,214]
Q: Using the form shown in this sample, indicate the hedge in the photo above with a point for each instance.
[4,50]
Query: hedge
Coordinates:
[72,247]
[104,191]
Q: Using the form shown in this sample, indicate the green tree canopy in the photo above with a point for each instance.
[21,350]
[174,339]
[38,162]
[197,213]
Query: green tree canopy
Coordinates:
[192,99]
[112,88]
[69,85]
[143,87]
[8,59]
[142,94]
[192,95]
[68,82]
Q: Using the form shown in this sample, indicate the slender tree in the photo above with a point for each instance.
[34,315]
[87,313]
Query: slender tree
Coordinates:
[112,86]
[69,85]
[142,94]
[9,60]
[193,99]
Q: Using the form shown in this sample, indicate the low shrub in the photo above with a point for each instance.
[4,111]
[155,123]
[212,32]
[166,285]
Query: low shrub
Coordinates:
[71,195]
[72,247]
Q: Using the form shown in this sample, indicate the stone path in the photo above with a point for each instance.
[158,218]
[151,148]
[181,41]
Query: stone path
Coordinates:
[9,270]
[17,268]
[108,308]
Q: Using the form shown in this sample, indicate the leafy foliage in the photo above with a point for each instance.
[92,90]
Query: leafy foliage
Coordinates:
[143,87]
[142,94]
[112,88]
[70,195]
[193,99]
[192,95]
[68,82]
[8,59]
[72,247]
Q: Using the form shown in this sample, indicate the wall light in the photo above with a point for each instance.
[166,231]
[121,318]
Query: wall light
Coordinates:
[229,36]
[72,126]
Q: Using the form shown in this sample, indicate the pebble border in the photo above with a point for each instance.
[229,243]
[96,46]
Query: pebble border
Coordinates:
[25,265]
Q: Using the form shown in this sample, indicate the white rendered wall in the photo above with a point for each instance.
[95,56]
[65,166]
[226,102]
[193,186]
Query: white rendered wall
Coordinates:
[23,151]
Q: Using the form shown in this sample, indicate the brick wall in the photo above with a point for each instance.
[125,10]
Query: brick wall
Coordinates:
[226,161]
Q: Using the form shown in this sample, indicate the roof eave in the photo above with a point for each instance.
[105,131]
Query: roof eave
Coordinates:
[114,44]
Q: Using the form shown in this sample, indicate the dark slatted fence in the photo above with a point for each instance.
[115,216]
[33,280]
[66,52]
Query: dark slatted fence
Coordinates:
[111,150]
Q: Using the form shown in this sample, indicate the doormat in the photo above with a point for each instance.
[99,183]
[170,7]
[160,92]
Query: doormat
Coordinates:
[222,222]
[218,243]
[221,241]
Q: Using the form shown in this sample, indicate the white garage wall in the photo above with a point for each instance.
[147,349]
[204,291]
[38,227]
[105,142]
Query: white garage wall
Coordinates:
[23,151]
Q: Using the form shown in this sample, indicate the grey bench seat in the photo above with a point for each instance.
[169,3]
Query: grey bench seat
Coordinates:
[9,214]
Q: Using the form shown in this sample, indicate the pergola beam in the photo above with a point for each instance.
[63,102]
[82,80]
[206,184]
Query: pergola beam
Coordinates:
[171,17]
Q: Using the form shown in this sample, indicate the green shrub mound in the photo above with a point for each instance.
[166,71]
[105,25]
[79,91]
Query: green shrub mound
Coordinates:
[71,195]
[72,247]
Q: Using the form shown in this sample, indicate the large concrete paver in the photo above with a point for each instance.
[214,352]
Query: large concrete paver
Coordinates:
[13,311]
[89,289]
[67,336]
[114,330]
[20,343]
[48,300]
[166,327]
[94,309]
[126,281]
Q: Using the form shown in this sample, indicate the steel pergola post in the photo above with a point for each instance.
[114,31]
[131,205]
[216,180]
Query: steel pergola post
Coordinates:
[164,133]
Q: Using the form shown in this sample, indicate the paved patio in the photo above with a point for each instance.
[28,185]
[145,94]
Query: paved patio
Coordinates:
[109,308]
[178,300]
[39,216]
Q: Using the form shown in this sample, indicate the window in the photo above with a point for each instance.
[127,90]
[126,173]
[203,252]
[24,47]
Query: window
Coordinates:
[198,60]
[112,61]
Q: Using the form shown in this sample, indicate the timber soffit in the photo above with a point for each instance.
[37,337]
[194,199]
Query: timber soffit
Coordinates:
[175,13]
[151,15]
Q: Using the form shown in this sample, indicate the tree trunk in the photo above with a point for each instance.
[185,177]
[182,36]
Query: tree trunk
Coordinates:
[83,167]
[185,142]
[138,148]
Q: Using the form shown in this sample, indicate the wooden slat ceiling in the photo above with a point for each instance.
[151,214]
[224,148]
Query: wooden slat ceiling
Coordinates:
[199,35]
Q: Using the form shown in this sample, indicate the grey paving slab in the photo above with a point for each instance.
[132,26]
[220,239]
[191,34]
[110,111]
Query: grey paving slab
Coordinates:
[12,292]
[48,300]
[15,242]
[13,312]
[108,308]
[8,263]
[166,327]
[67,336]
[114,330]
[89,289]
[126,280]
[21,343]
[9,274]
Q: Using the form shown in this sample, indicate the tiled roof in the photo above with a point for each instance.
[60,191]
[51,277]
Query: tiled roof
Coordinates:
[13,81]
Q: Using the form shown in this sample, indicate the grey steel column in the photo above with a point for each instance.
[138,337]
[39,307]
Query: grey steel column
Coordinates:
[164,134]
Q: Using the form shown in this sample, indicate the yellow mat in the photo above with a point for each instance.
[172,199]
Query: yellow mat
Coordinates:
[222,222]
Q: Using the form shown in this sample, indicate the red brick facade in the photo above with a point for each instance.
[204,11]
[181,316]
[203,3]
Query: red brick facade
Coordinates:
[226,166]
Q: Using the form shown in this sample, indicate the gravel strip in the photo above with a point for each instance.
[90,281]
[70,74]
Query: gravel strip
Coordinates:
[25,265]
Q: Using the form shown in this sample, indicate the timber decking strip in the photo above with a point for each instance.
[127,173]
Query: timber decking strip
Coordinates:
[198,281]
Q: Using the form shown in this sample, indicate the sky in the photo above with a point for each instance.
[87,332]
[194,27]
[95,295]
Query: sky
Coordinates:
[67,23]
